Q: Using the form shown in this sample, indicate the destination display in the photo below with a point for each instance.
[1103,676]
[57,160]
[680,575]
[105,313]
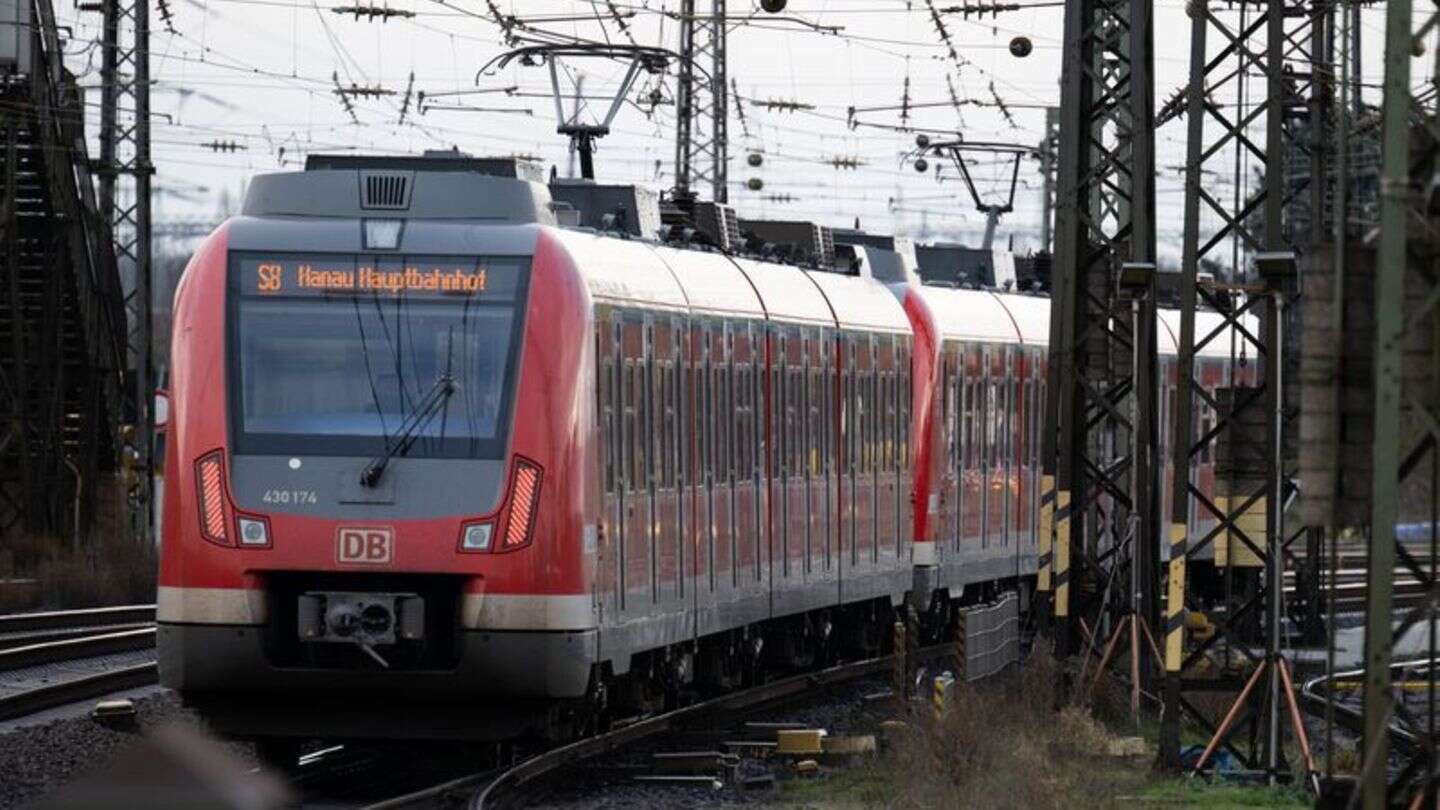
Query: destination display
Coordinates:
[293,275]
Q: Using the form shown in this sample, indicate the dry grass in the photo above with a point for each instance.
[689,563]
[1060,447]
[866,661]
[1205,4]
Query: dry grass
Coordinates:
[108,568]
[1005,745]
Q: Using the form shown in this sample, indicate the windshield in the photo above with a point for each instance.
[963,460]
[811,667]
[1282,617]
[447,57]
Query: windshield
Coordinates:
[335,352]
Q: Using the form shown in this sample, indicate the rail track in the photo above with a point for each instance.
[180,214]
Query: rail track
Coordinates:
[501,787]
[56,658]
[22,629]
[1343,689]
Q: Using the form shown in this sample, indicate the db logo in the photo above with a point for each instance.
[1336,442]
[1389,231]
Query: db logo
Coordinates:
[370,546]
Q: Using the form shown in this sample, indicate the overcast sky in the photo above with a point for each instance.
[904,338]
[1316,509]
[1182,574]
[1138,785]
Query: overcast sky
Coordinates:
[257,74]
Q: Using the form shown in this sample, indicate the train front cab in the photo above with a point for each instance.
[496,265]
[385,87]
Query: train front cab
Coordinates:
[292,589]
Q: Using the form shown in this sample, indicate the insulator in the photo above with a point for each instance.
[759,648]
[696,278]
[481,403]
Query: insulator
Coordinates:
[754,159]
[755,184]
[772,6]
[1020,47]
[922,140]
[922,165]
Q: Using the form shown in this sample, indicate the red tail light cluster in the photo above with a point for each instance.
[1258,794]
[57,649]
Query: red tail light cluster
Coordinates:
[210,489]
[524,498]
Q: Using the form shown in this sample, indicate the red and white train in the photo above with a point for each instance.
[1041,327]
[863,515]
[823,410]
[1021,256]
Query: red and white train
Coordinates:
[437,467]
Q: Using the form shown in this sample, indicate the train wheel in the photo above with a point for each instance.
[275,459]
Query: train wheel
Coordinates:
[720,667]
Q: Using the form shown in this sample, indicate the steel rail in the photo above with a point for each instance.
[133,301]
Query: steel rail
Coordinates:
[1352,716]
[89,646]
[66,619]
[10,642]
[491,789]
[73,690]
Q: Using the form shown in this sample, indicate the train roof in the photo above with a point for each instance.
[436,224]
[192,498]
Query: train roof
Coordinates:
[789,296]
[972,315]
[861,302]
[621,271]
[1032,316]
[712,283]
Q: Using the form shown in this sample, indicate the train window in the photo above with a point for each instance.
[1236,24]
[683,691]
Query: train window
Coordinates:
[996,411]
[877,413]
[1019,413]
[796,370]
[720,372]
[741,438]
[742,428]
[904,395]
[666,401]
[967,421]
[1208,420]
[639,434]
[700,381]
[629,421]
[603,407]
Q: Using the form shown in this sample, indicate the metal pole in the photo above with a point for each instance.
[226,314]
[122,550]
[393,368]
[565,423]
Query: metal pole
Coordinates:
[1389,330]
[1183,416]
[1274,555]
[719,107]
[143,264]
[1047,174]
[109,100]
[1340,224]
[685,100]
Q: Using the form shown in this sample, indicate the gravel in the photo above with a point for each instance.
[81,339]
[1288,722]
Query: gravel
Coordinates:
[36,760]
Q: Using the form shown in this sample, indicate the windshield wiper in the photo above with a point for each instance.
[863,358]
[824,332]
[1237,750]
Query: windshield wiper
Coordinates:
[409,430]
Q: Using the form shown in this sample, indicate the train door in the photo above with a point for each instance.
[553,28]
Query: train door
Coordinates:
[905,502]
[984,411]
[699,472]
[607,413]
[1009,473]
[824,463]
[951,383]
[857,423]
[633,511]
[848,449]
[883,449]
[793,510]
[997,483]
[666,553]
[1034,406]
[746,353]
[812,430]
[972,429]
[722,486]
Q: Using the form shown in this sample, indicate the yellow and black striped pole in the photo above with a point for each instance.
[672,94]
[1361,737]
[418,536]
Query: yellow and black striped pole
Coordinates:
[1175,601]
[1046,557]
[1062,553]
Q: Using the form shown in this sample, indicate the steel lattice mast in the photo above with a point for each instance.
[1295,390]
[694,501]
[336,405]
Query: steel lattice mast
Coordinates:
[1102,348]
[701,104]
[125,172]
[1243,421]
[1405,445]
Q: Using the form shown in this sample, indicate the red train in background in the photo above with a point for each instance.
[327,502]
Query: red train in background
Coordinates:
[439,467]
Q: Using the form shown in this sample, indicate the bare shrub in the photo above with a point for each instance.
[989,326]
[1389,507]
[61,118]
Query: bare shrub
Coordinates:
[1004,744]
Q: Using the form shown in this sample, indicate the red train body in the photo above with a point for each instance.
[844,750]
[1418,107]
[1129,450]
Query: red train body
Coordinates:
[437,467]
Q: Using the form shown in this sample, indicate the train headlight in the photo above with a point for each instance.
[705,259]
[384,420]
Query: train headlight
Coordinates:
[477,537]
[524,498]
[254,532]
[210,488]
[383,234]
